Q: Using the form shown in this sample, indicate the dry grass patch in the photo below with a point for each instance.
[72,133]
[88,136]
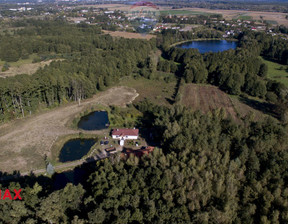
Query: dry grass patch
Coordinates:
[129,35]
[207,98]
[24,142]
[28,68]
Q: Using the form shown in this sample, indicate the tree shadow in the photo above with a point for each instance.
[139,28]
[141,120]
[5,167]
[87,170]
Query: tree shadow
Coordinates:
[267,108]
[169,100]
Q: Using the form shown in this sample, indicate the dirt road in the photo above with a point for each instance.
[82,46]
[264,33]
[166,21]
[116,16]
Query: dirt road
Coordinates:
[24,142]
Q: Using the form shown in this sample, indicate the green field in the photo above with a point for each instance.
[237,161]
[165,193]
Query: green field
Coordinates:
[20,61]
[157,91]
[273,22]
[183,12]
[245,17]
[277,72]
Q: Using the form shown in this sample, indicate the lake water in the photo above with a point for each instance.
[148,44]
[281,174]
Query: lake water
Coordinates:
[75,149]
[96,120]
[210,45]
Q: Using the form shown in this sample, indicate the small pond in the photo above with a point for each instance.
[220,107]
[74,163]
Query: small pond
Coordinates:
[96,120]
[75,149]
[210,45]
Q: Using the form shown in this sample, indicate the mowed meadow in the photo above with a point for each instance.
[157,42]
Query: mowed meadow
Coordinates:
[207,98]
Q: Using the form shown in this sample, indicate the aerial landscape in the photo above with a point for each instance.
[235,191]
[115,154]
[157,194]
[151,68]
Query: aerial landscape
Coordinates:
[143,111]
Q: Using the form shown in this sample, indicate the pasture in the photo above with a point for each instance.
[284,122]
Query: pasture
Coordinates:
[277,72]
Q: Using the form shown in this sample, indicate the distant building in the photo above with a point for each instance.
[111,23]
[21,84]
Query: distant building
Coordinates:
[126,133]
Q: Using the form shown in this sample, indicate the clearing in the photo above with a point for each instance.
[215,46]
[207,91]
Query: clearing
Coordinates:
[206,98]
[24,142]
[17,68]
[277,72]
[157,91]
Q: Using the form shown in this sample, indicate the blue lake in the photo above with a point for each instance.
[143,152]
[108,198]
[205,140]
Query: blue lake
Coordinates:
[75,149]
[96,120]
[210,45]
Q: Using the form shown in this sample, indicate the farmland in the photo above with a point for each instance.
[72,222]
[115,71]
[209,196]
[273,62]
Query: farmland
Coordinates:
[129,35]
[183,12]
[271,17]
[206,98]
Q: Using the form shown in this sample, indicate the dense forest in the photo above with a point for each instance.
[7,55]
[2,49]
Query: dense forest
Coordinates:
[92,61]
[209,170]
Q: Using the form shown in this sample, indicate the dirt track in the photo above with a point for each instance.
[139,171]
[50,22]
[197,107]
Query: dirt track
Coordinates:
[24,142]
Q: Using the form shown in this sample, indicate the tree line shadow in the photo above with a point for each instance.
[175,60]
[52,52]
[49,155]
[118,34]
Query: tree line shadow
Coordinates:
[265,107]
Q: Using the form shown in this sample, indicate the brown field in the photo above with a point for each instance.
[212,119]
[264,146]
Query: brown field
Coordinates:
[227,14]
[129,35]
[207,98]
[109,7]
[24,142]
[28,68]
[234,14]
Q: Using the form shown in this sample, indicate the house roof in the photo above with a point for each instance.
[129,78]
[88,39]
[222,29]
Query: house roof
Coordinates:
[126,131]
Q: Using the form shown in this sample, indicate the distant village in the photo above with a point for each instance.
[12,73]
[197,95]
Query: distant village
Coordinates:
[116,20]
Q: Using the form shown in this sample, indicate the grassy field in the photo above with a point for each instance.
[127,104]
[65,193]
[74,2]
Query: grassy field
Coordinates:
[129,35]
[24,142]
[244,17]
[183,12]
[277,72]
[273,22]
[21,61]
[24,66]
[158,91]
[207,98]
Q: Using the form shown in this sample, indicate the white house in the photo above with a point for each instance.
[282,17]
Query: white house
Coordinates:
[124,134]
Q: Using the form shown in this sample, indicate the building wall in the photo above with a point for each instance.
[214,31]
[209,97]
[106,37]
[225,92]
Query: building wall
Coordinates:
[125,137]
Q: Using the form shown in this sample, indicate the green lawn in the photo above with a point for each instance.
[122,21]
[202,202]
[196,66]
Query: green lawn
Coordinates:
[271,22]
[157,91]
[277,72]
[20,61]
[245,17]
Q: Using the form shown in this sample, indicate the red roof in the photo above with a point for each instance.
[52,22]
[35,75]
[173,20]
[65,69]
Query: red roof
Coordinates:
[124,132]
